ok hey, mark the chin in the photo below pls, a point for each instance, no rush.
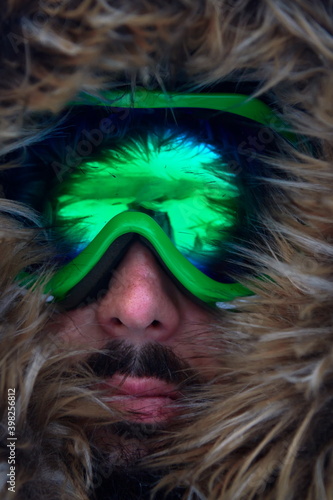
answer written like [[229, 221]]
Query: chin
[[125, 444], [132, 484], [120, 472]]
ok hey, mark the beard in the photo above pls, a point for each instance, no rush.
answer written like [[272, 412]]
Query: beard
[[119, 468], [121, 474], [133, 485]]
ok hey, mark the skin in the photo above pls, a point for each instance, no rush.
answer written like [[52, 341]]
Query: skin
[[143, 305]]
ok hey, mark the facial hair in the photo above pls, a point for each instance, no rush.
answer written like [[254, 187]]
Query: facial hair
[[151, 360], [133, 485], [128, 442]]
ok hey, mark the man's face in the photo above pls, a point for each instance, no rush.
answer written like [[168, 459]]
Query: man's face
[[156, 339]]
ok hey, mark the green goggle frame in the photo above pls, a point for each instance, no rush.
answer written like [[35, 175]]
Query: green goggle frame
[[196, 282], [193, 280]]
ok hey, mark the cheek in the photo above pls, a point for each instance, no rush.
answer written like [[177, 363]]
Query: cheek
[[77, 327], [199, 347]]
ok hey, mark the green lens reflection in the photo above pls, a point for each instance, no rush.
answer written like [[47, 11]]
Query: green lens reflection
[[173, 178]]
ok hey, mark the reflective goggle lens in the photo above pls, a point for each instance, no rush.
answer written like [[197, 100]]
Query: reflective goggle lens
[[182, 184]]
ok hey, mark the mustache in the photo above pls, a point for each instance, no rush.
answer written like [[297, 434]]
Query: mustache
[[150, 360]]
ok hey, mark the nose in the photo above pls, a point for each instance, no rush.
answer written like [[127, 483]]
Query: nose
[[142, 304]]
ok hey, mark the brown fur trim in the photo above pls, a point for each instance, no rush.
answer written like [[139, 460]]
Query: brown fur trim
[[266, 432]]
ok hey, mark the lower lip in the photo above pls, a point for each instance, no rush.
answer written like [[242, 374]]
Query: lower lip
[[147, 400], [146, 410]]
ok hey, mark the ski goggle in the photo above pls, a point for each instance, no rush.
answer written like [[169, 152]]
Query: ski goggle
[[178, 195]]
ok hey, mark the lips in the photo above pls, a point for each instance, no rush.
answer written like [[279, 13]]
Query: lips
[[148, 399]]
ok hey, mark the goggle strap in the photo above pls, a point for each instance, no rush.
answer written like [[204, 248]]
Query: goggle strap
[[237, 104]]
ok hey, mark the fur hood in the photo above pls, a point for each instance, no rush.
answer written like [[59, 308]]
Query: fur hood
[[264, 429]]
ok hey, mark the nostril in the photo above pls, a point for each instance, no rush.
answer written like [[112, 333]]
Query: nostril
[[115, 322]]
